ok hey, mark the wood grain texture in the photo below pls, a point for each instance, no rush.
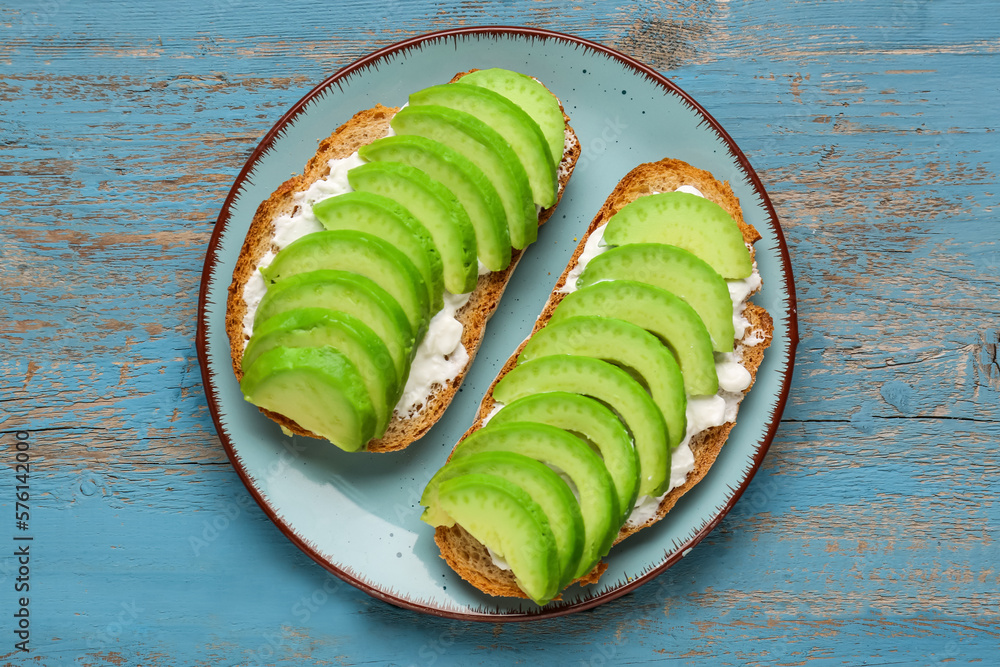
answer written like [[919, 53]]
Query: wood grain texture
[[869, 535]]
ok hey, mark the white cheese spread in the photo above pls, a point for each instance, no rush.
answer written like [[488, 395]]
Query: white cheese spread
[[440, 356], [691, 190], [498, 560], [592, 248], [497, 407]]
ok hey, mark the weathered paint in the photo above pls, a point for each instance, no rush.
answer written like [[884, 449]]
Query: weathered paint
[[868, 536]]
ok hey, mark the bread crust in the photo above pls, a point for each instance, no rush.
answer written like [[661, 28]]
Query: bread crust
[[363, 128], [465, 554]]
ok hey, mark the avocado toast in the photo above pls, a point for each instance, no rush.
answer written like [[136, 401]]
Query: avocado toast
[[619, 371], [386, 328]]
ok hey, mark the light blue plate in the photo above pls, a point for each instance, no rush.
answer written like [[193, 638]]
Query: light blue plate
[[357, 514]]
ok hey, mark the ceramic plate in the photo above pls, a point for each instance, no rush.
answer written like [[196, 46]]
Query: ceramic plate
[[357, 514]]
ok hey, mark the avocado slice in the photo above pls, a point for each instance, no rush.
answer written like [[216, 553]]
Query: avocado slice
[[349, 293], [610, 385], [503, 517], [484, 146], [688, 221], [658, 311], [467, 181], [319, 327], [587, 418], [435, 207], [386, 219], [531, 96], [624, 345], [512, 123], [676, 270], [544, 486], [361, 253], [316, 387], [572, 456]]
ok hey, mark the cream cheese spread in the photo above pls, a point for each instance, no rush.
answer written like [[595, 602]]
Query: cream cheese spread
[[497, 407], [440, 356], [691, 190], [498, 560], [592, 248]]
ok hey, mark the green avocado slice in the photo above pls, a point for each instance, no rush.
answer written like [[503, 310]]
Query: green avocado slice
[[317, 388], [435, 207], [572, 456], [349, 293], [318, 327], [531, 96], [361, 253], [588, 418], [512, 123], [386, 219], [624, 345], [676, 270], [481, 144], [467, 181], [658, 311], [504, 517], [610, 385], [544, 486], [691, 222]]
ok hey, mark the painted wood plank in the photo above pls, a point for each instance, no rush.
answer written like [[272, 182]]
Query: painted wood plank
[[868, 537]]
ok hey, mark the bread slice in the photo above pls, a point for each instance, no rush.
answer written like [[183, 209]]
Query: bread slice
[[470, 559], [363, 128]]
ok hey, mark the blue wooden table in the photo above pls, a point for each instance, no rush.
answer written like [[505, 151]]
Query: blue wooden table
[[869, 535]]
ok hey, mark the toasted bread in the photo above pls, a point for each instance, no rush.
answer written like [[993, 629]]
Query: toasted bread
[[470, 559], [363, 128]]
